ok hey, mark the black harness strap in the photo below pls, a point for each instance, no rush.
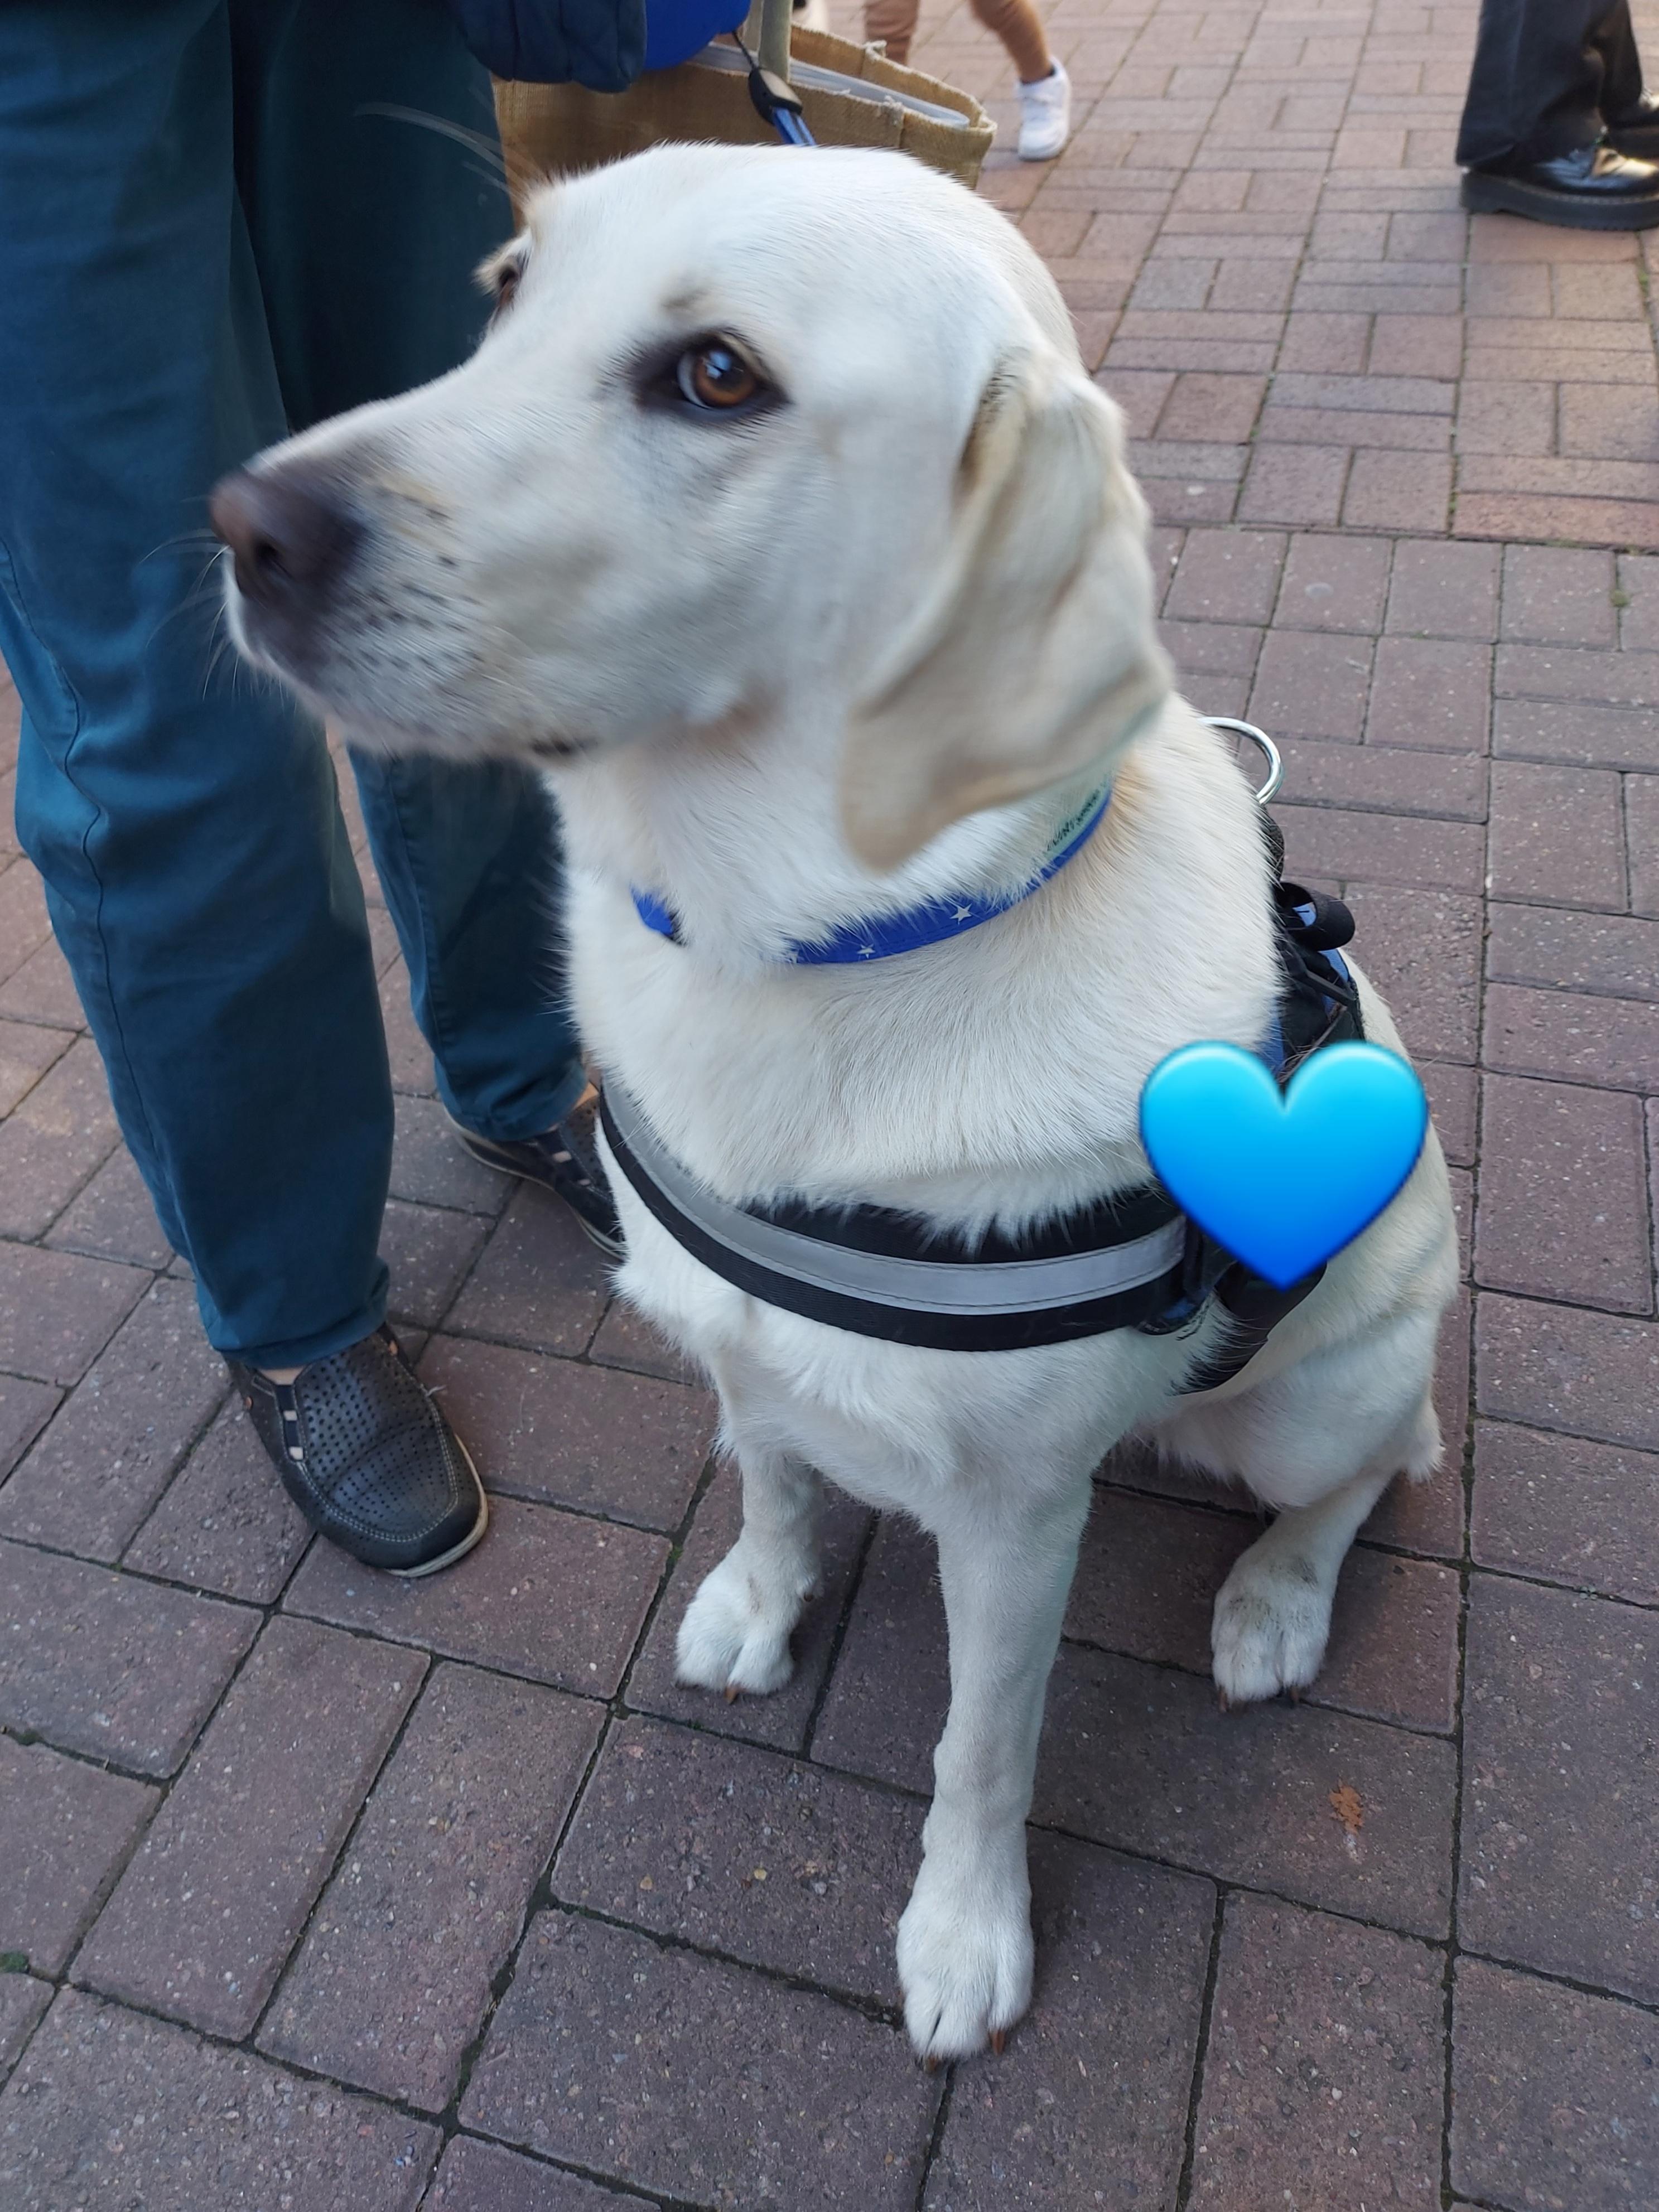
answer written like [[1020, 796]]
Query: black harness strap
[[887, 1274], [1318, 1005], [1131, 1261]]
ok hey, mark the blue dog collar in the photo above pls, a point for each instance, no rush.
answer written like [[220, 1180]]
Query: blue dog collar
[[882, 937]]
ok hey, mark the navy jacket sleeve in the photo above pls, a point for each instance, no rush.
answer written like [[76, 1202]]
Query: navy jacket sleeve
[[597, 43]]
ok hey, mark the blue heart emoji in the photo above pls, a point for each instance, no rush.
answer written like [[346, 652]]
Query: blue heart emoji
[[1283, 1181]]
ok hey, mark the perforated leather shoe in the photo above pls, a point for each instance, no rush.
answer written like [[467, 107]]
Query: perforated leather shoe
[[563, 1160], [366, 1456]]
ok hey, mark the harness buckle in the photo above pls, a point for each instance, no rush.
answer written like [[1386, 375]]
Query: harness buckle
[[1203, 1262]]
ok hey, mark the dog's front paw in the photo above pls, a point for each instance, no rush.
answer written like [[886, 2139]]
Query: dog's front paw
[[1272, 1617], [964, 1955], [735, 1635]]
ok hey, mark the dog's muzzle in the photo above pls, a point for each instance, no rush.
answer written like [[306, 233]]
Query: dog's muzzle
[[292, 539]]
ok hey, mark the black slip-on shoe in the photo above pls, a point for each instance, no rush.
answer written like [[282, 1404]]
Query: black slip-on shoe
[[1593, 188], [563, 1160], [366, 1456]]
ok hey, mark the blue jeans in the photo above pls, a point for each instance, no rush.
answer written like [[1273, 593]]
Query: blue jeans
[[207, 241]]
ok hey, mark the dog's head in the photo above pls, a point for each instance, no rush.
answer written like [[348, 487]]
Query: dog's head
[[749, 428]]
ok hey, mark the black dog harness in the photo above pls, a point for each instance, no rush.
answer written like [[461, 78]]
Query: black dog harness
[[1130, 1262]]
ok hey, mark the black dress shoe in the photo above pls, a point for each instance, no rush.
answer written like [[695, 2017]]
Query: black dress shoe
[[1593, 188], [1636, 131], [369, 1459], [563, 1160]]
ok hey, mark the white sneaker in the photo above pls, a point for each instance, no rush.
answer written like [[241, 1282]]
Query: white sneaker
[[1045, 116]]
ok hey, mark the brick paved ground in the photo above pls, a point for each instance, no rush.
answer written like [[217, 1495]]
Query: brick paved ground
[[319, 1889]]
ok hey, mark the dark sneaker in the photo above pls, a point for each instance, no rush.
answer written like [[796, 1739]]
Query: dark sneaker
[[564, 1161], [369, 1459]]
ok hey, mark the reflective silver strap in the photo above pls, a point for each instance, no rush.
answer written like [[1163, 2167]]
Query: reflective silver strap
[[935, 1286]]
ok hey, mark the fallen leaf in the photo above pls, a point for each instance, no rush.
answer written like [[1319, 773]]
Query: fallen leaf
[[1348, 1807]]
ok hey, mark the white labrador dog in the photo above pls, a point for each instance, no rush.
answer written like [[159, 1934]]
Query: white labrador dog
[[778, 519]]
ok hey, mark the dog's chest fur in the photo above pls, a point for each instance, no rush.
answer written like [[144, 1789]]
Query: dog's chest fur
[[994, 1077]]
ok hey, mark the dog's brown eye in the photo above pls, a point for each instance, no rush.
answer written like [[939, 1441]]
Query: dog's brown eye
[[715, 376]]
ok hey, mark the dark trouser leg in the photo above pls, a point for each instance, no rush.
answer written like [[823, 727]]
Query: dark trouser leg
[[366, 228], [186, 821], [1542, 71], [469, 858], [184, 816], [1621, 65]]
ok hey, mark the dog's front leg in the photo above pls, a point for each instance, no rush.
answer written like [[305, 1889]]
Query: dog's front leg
[[964, 1944], [735, 1635]]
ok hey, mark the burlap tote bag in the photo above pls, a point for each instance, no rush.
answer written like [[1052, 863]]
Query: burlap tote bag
[[851, 95]]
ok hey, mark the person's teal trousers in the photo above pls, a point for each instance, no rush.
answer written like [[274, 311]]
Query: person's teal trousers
[[208, 237]]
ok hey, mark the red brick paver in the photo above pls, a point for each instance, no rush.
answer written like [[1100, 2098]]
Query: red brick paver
[[210, 1906], [66, 1829], [108, 1665], [389, 1987], [317, 1889], [109, 2107], [224, 1525], [552, 1596], [1323, 2065], [22, 2000], [1141, 1758], [481, 2177], [1092, 2094], [1553, 2093], [740, 1852], [603, 1441], [1561, 1786], [89, 1483], [774, 2089]]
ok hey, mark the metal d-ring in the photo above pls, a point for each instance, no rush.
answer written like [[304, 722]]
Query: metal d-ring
[[1269, 752]]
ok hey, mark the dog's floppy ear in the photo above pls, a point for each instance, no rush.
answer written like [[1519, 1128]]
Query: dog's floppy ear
[[1034, 653]]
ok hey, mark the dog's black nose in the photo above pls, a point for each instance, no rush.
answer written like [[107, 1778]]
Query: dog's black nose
[[288, 535]]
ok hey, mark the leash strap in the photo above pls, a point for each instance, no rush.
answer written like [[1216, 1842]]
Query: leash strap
[[776, 102]]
